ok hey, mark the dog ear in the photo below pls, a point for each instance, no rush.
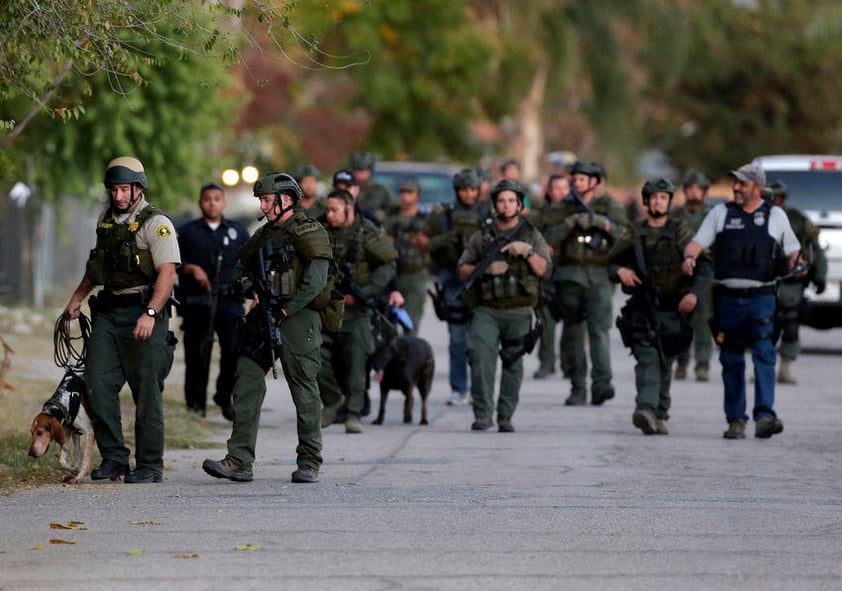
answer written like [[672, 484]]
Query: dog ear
[[56, 431]]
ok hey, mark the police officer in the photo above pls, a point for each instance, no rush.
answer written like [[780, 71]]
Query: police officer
[[752, 244], [695, 185], [581, 246], [292, 252], [445, 234], [135, 260], [373, 196], [502, 277], [550, 215], [209, 304], [791, 289], [367, 260], [403, 228], [655, 320], [307, 177]]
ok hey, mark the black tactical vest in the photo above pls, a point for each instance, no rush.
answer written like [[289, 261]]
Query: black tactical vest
[[744, 249], [116, 261]]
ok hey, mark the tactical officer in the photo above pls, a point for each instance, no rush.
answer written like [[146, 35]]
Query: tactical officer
[[512, 170], [791, 290], [367, 260], [655, 320], [373, 196], [753, 244], [307, 177], [501, 266], [135, 260], [550, 215], [285, 265], [485, 180], [209, 304], [445, 234], [695, 185], [403, 228], [581, 246]]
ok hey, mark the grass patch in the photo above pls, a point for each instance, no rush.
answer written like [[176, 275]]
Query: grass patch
[[183, 430]]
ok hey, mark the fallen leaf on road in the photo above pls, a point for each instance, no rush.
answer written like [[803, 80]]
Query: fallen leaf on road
[[188, 555], [247, 547], [135, 552], [69, 525], [150, 522], [37, 547], [60, 541]]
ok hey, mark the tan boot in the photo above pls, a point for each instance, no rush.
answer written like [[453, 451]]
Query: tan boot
[[784, 375], [681, 371]]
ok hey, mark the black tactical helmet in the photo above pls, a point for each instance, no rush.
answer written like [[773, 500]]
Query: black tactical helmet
[[277, 183], [362, 161], [466, 178], [588, 168], [125, 170], [483, 173], [695, 177], [507, 186], [659, 185], [775, 188]]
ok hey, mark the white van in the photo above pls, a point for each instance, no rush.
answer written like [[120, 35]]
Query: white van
[[814, 184]]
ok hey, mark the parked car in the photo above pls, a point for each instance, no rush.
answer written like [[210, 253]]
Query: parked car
[[814, 184], [436, 180]]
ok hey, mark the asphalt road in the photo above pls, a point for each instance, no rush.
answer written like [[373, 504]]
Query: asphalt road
[[577, 498]]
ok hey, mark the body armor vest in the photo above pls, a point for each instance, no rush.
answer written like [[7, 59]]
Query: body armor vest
[[664, 256], [517, 287], [744, 249], [116, 261], [410, 259]]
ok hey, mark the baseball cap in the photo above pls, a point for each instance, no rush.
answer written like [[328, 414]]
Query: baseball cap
[[345, 177], [750, 172], [411, 184]]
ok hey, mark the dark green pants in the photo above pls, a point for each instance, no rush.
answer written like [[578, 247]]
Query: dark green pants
[[349, 350], [300, 371], [593, 302], [413, 287], [652, 375], [114, 357], [488, 329]]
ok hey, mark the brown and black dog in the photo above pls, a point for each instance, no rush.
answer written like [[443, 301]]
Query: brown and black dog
[[404, 363], [64, 419]]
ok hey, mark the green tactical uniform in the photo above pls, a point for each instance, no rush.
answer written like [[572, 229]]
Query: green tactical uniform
[[377, 199], [317, 209], [501, 307], [702, 337], [412, 263], [124, 260], [791, 291], [580, 256], [299, 264], [654, 350], [544, 220], [368, 259]]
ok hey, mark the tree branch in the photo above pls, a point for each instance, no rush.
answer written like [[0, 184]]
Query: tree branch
[[42, 102]]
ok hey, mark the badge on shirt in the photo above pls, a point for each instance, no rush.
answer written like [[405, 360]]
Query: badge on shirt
[[759, 218], [163, 231], [232, 233]]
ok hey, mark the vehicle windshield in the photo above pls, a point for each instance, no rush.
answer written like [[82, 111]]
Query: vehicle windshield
[[435, 188], [817, 190]]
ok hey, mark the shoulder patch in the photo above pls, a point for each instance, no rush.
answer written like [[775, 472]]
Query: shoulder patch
[[163, 231], [304, 228]]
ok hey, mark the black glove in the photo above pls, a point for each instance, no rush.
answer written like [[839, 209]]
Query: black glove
[[820, 284]]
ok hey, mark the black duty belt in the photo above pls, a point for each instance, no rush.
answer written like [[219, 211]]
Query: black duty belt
[[108, 299], [744, 292]]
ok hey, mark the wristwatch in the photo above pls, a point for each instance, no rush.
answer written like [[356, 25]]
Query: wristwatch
[[150, 311]]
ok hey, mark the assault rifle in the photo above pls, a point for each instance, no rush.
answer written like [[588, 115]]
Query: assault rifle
[[263, 289], [640, 314], [492, 253], [216, 293]]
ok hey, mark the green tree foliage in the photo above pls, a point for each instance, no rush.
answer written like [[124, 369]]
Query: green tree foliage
[[746, 81], [424, 64]]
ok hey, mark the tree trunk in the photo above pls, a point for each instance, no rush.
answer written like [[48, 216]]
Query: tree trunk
[[528, 141]]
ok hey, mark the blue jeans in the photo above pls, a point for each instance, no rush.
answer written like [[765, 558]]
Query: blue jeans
[[458, 347], [747, 322]]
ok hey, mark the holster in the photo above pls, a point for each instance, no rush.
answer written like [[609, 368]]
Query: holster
[[513, 349]]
